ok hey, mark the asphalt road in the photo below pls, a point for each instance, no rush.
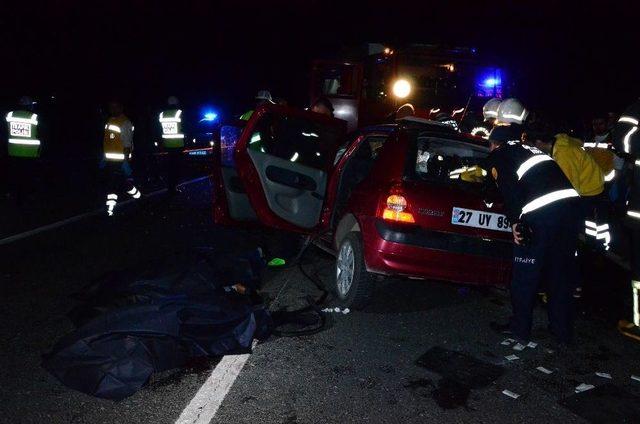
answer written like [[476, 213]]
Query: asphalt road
[[367, 366]]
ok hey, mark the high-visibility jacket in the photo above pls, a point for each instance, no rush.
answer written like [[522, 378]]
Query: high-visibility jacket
[[172, 133], [601, 150], [580, 167], [626, 139], [117, 136], [247, 115], [528, 179], [23, 134]]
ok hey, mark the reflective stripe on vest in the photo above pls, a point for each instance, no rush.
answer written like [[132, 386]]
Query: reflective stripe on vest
[[549, 198], [171, 123], [530, 163], [112, 142], [23, 134], [633, 214]]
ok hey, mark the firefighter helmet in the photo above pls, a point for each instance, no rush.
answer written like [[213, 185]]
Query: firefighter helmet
[[490, 109], [512, 111]]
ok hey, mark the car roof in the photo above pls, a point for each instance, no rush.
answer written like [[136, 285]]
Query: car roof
[[431, 128]]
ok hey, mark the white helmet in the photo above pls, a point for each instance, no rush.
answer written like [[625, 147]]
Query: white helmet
[[512, 111], [264, 95], [173, 101], [490, 109]]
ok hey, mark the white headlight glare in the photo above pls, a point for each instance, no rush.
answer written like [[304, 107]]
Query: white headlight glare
[[401, 88]]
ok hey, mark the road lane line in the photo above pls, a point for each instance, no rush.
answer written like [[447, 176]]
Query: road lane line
[[205, 404], [62, 223]]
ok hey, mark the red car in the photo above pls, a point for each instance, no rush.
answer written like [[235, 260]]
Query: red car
[[386, 200]]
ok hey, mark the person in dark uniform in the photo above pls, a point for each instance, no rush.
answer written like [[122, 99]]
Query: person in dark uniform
[[626, 141], [542, 206]]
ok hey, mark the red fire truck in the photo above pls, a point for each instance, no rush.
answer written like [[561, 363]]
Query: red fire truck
[[370, 88]]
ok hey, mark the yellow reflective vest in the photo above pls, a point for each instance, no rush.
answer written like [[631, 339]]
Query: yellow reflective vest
[[579, 166], [112, 143]]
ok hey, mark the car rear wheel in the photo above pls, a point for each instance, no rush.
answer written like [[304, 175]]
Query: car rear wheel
[[353, 284]]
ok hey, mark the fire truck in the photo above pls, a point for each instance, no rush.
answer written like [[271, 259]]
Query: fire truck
[[371, 87]]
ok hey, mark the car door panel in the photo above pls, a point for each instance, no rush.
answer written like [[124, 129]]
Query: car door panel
[[238, 204], [289, 188], [283, 159]]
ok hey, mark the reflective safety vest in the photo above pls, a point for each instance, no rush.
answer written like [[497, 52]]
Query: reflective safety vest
[[247, 115], [528, 179], [23, 134], [112, 142], [171, 123]]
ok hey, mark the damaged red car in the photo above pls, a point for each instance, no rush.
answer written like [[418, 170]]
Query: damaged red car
[[387, 200]]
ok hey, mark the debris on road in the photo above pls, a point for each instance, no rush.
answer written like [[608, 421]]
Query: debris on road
[[336, 310], [276, 262], [635, 377], [518, 347], [604, 375], [131, 328], [511, 358], [510, 394], [544, 370], [583, 387], [507, 342], [532, 345]]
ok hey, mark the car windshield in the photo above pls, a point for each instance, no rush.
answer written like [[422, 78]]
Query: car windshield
[[448, 160]]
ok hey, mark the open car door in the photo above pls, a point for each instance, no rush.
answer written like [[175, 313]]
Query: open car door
[[283, 160]]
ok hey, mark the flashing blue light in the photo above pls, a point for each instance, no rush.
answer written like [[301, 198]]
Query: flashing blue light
[[210, 116], [492, 82]]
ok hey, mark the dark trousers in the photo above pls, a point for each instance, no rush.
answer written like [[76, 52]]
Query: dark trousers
[[174, 168], [547, 261], [635, 252], [116, 177], [21, 175]]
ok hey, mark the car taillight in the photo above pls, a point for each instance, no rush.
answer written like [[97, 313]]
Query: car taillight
[[395, 210]]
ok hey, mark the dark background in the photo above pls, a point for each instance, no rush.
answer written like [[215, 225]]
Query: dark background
[[564, 58]]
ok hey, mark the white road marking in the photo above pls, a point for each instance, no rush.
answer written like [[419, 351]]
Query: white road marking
[[205, 404], [67, 221]]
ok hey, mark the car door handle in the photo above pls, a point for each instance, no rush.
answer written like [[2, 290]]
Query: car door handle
[[290, 178]]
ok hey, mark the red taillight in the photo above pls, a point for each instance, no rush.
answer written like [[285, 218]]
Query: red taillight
[[395, 210]]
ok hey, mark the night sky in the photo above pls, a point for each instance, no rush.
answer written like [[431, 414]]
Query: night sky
[[562, 58]]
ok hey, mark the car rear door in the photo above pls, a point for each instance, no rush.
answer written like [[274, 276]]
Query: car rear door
[[283, 159]]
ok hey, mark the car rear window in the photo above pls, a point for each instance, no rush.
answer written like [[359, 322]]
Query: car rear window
[[437, 158]]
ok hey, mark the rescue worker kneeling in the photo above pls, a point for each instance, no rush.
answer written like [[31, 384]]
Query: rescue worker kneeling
[[542, 206], [116, 163]]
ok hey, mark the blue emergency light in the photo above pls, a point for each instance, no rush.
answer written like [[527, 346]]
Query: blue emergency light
[[492, 82], [209, 116]]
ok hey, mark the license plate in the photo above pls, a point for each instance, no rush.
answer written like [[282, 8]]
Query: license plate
[[170, 127], [20, 129], [480, 219]]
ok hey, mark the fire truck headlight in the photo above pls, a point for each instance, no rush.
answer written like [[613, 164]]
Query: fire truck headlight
[[401, 88]]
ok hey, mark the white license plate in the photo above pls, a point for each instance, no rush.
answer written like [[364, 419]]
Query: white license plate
[[480, 219], [170, 127], [20, 129]]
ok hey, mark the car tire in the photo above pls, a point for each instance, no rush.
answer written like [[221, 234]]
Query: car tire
[[353, 285]]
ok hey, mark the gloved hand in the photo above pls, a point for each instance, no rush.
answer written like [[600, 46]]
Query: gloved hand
[[474, 174]]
